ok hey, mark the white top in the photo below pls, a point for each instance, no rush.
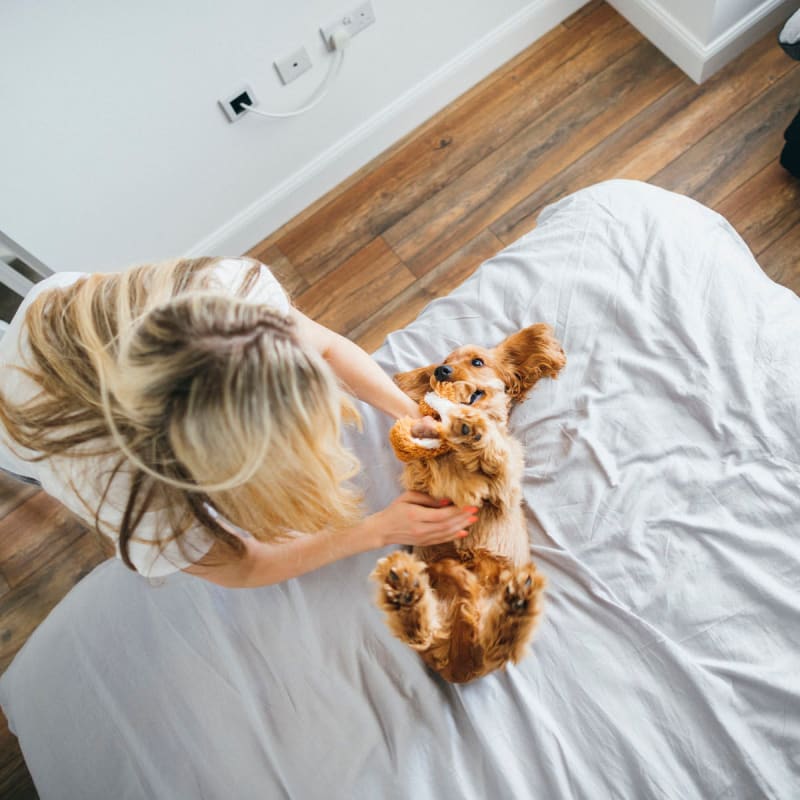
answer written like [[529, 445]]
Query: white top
[[79, 483]]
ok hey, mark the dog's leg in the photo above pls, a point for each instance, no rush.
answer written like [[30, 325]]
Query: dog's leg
[[407, 598], [512, 614]]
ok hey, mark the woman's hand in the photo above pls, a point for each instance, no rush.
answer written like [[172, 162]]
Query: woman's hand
[[418, 519]]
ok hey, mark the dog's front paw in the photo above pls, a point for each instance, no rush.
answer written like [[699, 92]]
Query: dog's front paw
[[467, 429], [403, 579], [522, 589]]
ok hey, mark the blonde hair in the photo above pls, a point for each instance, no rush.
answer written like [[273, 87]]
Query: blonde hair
[[207, 398]]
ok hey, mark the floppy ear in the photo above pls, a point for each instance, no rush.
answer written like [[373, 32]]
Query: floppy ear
[[417, 382], [528, 355]]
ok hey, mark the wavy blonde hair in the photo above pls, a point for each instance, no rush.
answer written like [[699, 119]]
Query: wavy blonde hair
[[208, 399]]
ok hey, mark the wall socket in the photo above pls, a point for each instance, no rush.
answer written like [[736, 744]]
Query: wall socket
[[293, 66], [353, 21], [235, 105]]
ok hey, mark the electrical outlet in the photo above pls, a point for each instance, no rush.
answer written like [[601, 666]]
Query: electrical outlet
[[235, 106], [293, 66], [353, 21]]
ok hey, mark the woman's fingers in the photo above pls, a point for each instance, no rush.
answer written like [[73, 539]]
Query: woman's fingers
[[442, 532], [416, 518], [427, 509], [422, 499], [434, 526], [441, 521], [442, 517]]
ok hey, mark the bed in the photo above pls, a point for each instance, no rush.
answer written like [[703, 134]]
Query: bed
[[662, 490]]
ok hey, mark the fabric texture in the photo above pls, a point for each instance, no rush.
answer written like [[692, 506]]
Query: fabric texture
[[80, 483], [661, 492]]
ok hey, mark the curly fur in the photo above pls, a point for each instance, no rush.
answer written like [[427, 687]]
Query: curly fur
[[470, 606]]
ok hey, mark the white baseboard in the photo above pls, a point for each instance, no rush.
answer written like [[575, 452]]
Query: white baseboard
[[384, 128], [697, 60]]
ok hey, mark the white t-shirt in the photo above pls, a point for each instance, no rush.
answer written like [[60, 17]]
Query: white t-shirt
[[79, 483]]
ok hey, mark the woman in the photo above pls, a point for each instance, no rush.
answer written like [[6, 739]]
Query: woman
[[187, 411]]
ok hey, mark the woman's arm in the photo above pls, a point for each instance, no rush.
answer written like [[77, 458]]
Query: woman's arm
[[413, 518], [361, 376]]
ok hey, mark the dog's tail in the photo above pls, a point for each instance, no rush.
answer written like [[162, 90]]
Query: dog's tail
[[465, 659]]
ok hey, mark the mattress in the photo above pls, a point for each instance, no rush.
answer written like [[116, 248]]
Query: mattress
[[661, 495]]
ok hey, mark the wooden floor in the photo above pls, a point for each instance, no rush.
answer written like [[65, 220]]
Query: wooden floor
[[591, 100]]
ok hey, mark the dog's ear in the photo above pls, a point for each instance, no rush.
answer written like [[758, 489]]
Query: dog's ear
[[528, 355], [417, 382]]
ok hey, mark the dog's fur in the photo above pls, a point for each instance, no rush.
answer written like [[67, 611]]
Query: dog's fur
[[469, 606]]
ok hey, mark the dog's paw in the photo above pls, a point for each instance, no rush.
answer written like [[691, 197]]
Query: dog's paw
[[467, 429], [522, 589], [403, 579]]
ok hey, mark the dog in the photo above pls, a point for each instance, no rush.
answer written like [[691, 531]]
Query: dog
[[470, 606]]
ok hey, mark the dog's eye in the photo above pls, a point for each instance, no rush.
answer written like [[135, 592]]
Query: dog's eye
[[465, 429], [476, 395], [477, 362]]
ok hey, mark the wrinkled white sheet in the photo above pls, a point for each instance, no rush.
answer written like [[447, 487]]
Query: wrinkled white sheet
[[662, 474]]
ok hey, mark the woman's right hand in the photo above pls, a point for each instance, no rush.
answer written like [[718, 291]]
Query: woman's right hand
[[418, 519]]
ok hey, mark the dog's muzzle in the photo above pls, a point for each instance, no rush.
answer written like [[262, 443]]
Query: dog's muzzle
[[443, 373]]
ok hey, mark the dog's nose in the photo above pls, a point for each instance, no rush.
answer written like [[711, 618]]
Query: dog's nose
[[443, 373]]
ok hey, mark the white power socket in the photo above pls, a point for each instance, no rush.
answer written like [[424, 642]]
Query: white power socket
[[353, 21], [293, 66]]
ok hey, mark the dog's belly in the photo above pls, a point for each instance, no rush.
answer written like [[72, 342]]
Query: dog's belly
[[441, 479]]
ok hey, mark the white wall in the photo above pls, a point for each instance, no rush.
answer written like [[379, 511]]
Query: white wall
[[112, 147], [701, 36], [693, 15]]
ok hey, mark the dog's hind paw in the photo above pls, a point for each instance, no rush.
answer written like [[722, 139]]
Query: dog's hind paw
[[522, 589], [403, 579]]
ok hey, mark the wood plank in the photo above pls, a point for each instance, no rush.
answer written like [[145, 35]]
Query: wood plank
[[500, 181], [781, 262], [584, 11], [359, 287], [24, 608], [733, 152], [763, 208], [33, 533], [658, 135], [444, 150], [13, 493], [441, 280], [280, 266]]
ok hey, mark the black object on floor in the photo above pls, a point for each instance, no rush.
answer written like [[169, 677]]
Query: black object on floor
[[790, 155]]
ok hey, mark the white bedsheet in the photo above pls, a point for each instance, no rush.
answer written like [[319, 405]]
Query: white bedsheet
[[662, 487]]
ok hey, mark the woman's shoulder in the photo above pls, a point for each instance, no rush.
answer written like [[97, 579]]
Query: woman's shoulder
[[251, 279], [14, 349], [57, 280]]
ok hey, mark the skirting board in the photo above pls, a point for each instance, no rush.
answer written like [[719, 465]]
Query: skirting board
[[384, 128], [697, 60]]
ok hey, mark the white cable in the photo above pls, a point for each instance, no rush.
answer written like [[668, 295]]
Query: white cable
[[340, 38]]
